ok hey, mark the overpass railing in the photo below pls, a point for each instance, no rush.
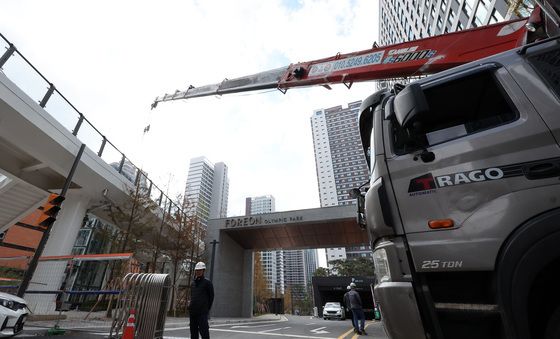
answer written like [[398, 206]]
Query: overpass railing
[[29, 79]]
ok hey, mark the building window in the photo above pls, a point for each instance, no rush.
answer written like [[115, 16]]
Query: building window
[[496, 17], [468, 7], [480, 16], [450, 18]]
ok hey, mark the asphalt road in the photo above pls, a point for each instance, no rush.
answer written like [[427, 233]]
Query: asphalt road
[[290, 327]]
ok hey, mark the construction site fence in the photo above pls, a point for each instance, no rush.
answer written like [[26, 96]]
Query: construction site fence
[[146, 297]]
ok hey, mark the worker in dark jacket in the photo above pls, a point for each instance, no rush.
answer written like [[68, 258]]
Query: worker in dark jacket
[[357, 310], [348, 309], [200, 303]]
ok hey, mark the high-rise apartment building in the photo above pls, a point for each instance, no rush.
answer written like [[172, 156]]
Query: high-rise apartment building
[[311, 264], [340, 163], [294, 268], [259, 205], [207, 189], [404, 20]]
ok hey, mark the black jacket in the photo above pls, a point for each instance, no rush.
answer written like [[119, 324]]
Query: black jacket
[[354, 300], [202, 296]]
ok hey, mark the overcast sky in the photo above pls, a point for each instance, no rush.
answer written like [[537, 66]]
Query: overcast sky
[[112, 58]]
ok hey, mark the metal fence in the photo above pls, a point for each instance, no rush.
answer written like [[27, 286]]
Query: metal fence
[[148, 295]]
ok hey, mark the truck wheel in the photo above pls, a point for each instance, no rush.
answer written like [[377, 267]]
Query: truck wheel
[[553, 326]]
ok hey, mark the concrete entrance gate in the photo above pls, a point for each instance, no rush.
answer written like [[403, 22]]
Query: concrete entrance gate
[[238, 237]]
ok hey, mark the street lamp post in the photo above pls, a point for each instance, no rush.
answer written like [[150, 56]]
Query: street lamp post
[[213, 243], [276, 298], [292, 299]]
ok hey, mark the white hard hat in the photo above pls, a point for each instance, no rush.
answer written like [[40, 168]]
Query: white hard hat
[[200, 266], [348, 287], [352, 285]]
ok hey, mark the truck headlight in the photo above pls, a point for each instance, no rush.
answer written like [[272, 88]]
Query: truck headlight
[[381, 265]]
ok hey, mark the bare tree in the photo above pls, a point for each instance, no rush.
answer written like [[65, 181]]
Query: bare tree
[[135, 218], [184, 244], [261, 289]]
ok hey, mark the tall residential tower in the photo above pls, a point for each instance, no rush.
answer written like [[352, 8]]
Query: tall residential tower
[[207, 189], [340, 163]]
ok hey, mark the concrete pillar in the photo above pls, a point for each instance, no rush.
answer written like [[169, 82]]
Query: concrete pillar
[[233, 277], [49, 275], [247, 292]]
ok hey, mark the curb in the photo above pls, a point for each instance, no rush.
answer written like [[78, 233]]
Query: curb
[[245, 320], [46, 317]]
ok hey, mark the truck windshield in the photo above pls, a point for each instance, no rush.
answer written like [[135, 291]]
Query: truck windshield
[[456, 108]]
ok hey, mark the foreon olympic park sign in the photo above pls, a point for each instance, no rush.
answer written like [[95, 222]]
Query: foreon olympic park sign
[[312, 228], [259, 220]]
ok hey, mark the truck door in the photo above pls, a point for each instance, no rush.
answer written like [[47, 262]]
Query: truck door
[[475, 146]]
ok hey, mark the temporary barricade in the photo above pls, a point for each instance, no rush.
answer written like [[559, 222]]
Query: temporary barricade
[[148, 295]]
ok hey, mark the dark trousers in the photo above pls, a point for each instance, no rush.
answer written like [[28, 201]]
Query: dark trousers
[[351, 316], [359, 316], [199, 323]]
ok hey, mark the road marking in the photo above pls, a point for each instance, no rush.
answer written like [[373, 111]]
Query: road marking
[[356, 335], [320, 330], [274, 329], [271, 334], [249, 326], [310, 324], [342, 336], [251, 322], [169, 329]]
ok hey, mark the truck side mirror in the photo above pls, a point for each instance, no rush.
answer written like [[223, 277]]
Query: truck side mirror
[[409, 103], [360, 201]]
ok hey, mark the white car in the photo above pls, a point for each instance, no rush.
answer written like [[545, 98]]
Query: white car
[[13, 312], [333, 310]]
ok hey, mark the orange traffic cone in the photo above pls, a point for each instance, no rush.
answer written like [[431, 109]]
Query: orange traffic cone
[[129, 330]]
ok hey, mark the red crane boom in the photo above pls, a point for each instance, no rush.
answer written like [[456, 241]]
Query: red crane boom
[[412, 58]]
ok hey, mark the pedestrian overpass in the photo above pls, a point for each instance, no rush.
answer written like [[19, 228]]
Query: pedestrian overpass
[[40, 135], [238, 237]]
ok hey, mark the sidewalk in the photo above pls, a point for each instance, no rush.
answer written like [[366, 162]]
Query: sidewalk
[[77, 327]]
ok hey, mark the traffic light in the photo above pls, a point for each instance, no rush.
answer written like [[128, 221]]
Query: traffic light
[[50, 210]]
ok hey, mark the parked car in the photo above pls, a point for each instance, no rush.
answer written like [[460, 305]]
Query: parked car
[[13, 313], [333, 310]]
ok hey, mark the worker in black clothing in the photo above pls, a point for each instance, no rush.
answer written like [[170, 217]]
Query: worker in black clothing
[[348, 309], [200, 303], [357, 310]]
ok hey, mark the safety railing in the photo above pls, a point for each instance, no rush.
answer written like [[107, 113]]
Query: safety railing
[[145, 295], [28, 78]]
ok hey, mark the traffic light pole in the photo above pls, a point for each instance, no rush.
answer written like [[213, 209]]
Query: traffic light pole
[[35, 260]]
